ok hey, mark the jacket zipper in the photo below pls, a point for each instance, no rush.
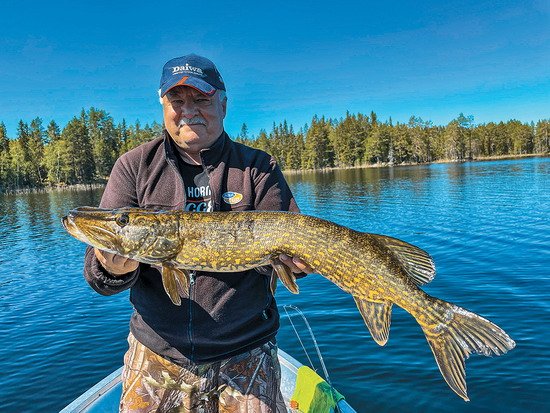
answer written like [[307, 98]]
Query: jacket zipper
[[192, 275]]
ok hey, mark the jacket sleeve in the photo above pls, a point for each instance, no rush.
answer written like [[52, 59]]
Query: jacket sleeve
[[272, 191], [101, 280], [119, 192]]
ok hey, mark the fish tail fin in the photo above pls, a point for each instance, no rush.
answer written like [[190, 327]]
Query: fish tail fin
[[454, 333]]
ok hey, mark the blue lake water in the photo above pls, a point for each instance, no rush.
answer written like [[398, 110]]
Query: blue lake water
[[487, 225]]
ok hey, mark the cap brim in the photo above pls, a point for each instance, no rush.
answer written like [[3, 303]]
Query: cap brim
[[195, 83]]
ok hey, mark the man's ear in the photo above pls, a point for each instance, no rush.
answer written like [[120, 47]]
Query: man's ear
[[224, 106]]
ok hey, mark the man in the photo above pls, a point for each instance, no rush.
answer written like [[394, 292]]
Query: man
[[215, 352]]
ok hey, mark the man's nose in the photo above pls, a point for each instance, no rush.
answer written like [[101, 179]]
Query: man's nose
[[188, 110]]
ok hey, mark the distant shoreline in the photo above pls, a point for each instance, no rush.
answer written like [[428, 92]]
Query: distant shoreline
[[56, 188], [97, 185], [439, 161]]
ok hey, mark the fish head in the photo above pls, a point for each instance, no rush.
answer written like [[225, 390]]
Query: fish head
[[142, 234]]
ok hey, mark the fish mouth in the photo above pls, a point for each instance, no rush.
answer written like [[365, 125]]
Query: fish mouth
[[92, 226]]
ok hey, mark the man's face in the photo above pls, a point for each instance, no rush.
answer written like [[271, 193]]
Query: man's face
[[192, 119]]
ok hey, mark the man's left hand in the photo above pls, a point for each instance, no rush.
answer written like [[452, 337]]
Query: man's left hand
[[295, 264]]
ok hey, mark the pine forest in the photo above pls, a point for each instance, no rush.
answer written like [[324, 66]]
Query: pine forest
[[84, 151]]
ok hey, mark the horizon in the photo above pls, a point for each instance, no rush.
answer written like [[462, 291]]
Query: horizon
[[432, 62]]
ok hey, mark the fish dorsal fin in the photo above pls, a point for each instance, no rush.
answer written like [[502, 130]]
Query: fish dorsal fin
[[377, 317], [417, 263], [175, 282], [285, 275]]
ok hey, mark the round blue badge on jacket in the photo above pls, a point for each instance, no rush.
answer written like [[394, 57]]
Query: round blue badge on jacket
[[232, 198]]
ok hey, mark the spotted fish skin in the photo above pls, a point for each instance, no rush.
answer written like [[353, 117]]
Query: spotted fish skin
[[378, 271]]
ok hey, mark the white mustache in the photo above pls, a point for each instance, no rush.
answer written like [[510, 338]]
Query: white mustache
[[197, 120]]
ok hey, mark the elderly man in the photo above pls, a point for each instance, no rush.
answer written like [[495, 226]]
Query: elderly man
[[216, 351]]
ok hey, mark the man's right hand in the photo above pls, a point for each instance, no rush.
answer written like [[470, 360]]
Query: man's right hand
[[115, 264]]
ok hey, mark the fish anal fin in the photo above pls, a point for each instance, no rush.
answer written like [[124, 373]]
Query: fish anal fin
[[377, 317], [285, 275], [417, 263], [175, 281]]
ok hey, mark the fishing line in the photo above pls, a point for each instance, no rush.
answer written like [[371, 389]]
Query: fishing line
[[317, 349], [296, 331]]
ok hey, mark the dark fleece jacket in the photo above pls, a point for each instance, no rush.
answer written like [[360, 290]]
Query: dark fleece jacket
[[225, 313]]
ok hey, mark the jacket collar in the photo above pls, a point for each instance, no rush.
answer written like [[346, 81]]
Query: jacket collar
[[210, 157]]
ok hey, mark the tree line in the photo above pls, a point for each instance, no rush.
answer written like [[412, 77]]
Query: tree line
[[358, 139], [85, 150], [82, 153]]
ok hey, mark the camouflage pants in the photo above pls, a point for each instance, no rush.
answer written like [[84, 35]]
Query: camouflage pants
[[246, 383]]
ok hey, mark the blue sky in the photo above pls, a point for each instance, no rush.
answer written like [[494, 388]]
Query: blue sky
[[280, 60]]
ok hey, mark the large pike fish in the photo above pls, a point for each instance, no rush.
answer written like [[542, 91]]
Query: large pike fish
[[378, 271]]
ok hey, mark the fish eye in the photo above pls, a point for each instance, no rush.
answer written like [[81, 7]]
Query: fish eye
[[122, 220]]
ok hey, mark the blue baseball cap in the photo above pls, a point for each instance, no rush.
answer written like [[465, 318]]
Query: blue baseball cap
[[191, 70]]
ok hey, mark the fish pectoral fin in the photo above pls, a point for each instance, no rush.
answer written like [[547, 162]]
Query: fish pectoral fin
[[417, 263], [172, 280], [377, 317], [286, 276]]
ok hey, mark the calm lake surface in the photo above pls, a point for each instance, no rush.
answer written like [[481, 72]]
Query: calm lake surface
[[487, 225]]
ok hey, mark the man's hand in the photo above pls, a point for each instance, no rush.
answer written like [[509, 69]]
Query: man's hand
[[295, 264], [114, 263]]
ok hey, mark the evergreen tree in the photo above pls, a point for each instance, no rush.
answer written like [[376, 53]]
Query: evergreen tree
[[401, 145], [502, 140], [80, 167], [377, 144], [347, 140], [52, 132], [22, 165], [542, 137], [521, 137], [55, 154], [455, 141], [58, 162], [5, 160], [318, 152], [244, 133], [465, 126], [103, 138], [293, 158], [262, 142], [36, 152]]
